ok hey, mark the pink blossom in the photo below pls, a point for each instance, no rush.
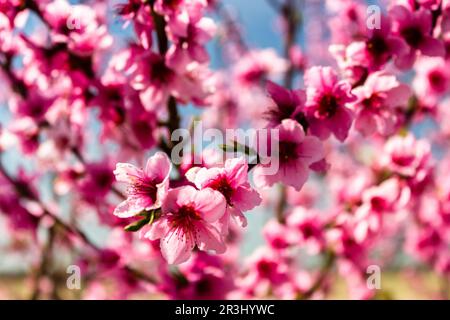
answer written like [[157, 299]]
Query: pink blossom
[[277, 235], [147, 188], [232, 182], [349, 23], [327, 103], [35, 107], [188, 218], [205, 277], [257, 66], [97, 182], [387, 198], [296, 152], [138, 12], [308, 229], [432, 79], [415, 28], [189, 32], [266, 270], [156, 81], [78, 25], [406, 156], [376, 103], [287, 104], [378, 47]]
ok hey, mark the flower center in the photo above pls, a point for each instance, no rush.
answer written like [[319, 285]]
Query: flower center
[[172, 4], [308, 230], [413, 36], [145, 187], [160, 72], [374, 102], [185, 217], [288, 150], [266, 268], [378, 204], [328, 106], [403, 160], [377, 46], [223, 186], [437, 80]]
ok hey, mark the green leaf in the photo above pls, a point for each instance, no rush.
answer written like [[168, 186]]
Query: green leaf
[[238, 147], [148, 218]]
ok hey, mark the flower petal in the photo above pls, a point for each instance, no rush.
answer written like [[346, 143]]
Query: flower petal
[[210, 203], [209, 238], [176, 246]]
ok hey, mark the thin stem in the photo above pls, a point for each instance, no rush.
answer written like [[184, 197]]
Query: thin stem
[[291, 17], [174, 120]]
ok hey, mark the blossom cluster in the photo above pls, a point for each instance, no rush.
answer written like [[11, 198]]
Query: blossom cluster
[[358, 135]]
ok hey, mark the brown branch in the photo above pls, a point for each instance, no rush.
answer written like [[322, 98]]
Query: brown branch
[[289, 12], [174, 120], [44, 265]]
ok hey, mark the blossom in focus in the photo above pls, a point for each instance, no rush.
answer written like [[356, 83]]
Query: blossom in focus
[[188, 220], [147, 187], [232, 182]]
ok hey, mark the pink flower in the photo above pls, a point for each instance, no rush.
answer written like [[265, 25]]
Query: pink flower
[[426, 242], [296, 152], [232, 182], [188, 217], [78, 25], [415, 29], [189, 32], [308, 229], [207, 278], [277, 235], [349, 23], [376, 103], [97, 182], [287, 104], [35, 106], [327, 103], [387, 198], [156, 81], [406, 156], [432, 79], [257, 66], [378, 47], [20, 217], [147, 188], [267, 270], [139, 13]]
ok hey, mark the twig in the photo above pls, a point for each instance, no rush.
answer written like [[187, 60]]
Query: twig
[[174, 120], [291, 17], [45, 263]]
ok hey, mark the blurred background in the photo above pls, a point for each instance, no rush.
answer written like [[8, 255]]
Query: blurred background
[[261, 29]]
